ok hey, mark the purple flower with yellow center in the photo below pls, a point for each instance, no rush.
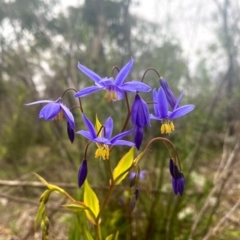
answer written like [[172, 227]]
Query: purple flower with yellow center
[[162, 114], [178, 180], [140, 118], [115, 89], [105, 140], [55, 110]]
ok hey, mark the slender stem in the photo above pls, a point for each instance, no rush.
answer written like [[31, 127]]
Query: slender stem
[[105, 200], [97, 231], [110, 170], [153, 69], [114, 69], [128, 115]]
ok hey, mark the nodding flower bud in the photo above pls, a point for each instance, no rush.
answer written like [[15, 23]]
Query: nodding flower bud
[[178, 180], [70, 131], [168, 92], [82, 173], [140, 118]]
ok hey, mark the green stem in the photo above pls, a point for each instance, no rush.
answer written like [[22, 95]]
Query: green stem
[[97, 231], [128, 115]]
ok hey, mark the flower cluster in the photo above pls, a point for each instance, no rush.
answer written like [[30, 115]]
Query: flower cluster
[[139, 113]]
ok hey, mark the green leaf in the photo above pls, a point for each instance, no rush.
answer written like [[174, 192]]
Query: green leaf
[[116, 236], [39, 216], [110, 237], [74, 207], [123, 165], [48, 185], [91, 201], [87, 234]]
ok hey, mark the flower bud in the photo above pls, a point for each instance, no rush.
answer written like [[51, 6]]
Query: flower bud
[[82, 173], [71, 133]]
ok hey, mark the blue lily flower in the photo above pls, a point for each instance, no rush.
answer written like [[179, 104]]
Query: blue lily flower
[[55, 110], [114, 88], [105, 141], [161, 110], [178, 180], [140, 119]]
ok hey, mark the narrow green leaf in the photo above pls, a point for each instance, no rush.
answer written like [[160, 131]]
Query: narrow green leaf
[[123, 165], [48, 185], [116, 236], [91, 201], [110, 237], [74, 207], [39, 216], [87, 234]]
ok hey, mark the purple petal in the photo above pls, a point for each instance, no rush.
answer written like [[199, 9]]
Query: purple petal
[[37, 102], [169, 94], [89, 126], [71, 133], [102, 140], [120, 94], [181, 111], [123, 143], [68, 115], [86, 134], [155, 102], [50, 111], [138, 137], [134, 86], [108, 127], [124, 72], [175, 186], [121, 135], [86, 91], [162, 104], [107, 82], [95, 77], [178, 100], [155, 118], [181, 184], [171, 167], [140, 112]]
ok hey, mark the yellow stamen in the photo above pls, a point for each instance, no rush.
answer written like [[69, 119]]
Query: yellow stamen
[[111, 95], [167, 127], [59, 116], [102, 152]]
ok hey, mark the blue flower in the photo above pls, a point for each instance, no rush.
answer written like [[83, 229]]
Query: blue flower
[[178, 180], [105, 141], [114, 88], [55, 110], [140, 119], [161, 110]]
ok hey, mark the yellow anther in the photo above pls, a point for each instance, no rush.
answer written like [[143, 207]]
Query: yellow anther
[[102, 152], [111, 95], [167, 127], [59, 116]]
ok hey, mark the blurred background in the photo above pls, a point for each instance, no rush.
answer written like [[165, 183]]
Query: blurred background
[[193, 44]]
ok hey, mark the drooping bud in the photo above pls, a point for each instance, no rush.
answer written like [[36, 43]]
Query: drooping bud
[[168, 92], [140, 112], [82, 173], [71, 133], [140, 118], [178, 180]]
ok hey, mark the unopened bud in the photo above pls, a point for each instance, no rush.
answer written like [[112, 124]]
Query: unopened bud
[[82, 173]]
